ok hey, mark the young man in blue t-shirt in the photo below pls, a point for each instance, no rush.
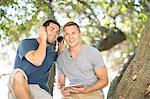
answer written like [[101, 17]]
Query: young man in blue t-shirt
[[33, 61]]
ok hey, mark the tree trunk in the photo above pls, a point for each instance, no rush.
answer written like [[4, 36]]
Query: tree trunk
[[52, 70], [135, 82]]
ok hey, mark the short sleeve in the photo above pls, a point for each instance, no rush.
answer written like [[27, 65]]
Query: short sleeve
[[97, 59], [26, 46]]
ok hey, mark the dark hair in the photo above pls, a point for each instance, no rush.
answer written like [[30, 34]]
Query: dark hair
[[71, 23], [50, 21]]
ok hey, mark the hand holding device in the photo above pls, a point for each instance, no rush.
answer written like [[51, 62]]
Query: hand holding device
[[74, 86], [60, 43], [60, 39]]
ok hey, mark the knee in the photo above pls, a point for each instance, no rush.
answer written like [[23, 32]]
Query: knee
[[19, 78]]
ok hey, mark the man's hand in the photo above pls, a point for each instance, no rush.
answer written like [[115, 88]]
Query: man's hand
[[65, 92], [82, 90], [60, 46], [42, 34]]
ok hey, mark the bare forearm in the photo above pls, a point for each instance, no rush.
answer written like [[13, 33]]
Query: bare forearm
[[102, 82], [97, 86], [61, 80], [40, 53], [103, 79], [36, 57]]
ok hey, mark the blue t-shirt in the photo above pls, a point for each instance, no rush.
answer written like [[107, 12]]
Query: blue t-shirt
[[36, 75]]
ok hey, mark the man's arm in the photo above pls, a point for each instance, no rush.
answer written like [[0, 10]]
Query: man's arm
[[102, 82], [61, 83], [61, 80], [60, 47], [37, 57]]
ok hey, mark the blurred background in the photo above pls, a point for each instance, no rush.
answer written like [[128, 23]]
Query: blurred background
[[112, 26]]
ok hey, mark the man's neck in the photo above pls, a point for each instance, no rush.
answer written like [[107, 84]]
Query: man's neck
[[75, 50]]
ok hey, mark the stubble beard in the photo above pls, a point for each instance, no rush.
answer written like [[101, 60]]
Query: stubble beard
[[48, 42], [74, 45]]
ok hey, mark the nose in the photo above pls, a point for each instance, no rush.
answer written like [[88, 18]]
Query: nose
[[70, 36]]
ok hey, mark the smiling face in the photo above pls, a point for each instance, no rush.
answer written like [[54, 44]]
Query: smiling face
[[72, 35], [52, 32]]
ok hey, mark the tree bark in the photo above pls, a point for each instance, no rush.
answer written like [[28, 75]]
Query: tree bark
[[115, 37], [52, 70], [135, 82]]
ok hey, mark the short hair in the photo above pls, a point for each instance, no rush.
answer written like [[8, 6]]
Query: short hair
[[70, 24], [50, 21]]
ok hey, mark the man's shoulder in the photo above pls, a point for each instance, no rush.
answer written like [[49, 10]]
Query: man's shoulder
[[28, 41], [28, 44], [90, 48], [63, 53]]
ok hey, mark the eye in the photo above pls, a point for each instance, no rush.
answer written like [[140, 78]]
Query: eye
[[51, 29], [73, 33], [66, 34], [58, 32]]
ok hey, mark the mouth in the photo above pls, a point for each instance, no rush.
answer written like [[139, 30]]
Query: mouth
[[70, 41]]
